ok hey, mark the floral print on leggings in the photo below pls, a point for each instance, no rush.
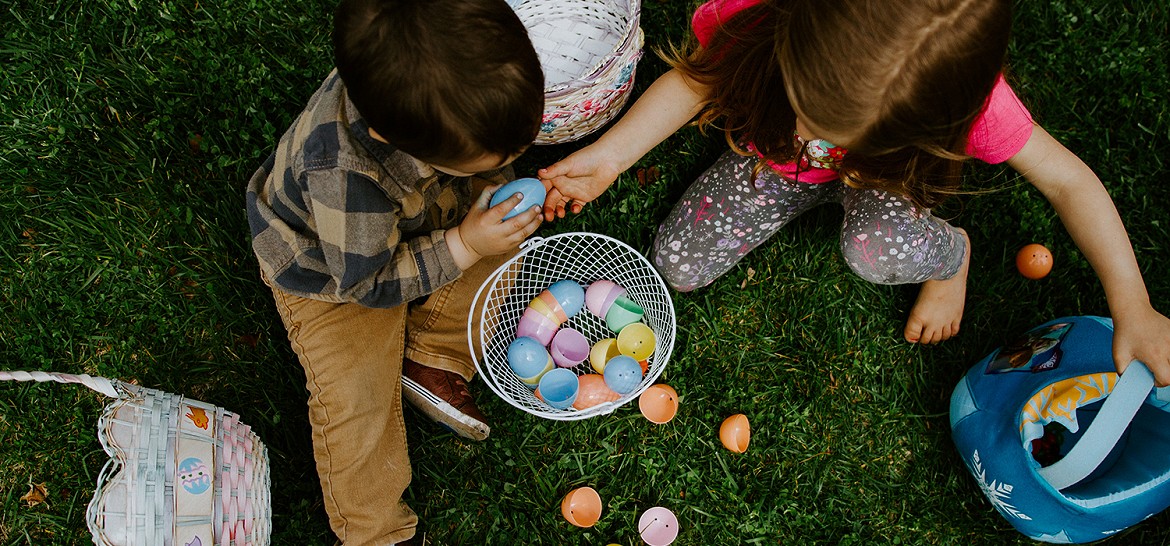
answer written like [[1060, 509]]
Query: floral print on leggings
[[721, 217]]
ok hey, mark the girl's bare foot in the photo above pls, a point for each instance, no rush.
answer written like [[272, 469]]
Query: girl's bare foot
[[939, 308]]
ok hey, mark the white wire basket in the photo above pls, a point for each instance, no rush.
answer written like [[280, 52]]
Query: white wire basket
[[584, 258], [181, 472], [589, 50]]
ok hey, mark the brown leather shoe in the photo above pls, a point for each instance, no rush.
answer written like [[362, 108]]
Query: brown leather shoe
[[443, 397]]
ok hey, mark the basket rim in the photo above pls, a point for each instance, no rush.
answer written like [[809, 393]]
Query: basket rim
[[587, 76], [527, 247]]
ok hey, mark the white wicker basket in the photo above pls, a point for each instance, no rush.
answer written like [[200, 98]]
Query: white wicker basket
[[181, 472], [584, 258], [589, 50]]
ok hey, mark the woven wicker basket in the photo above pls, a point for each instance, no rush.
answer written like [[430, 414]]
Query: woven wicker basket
[[589, 50], [181, 472]]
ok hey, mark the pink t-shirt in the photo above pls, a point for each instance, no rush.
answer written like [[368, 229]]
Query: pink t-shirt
[[999, 132]]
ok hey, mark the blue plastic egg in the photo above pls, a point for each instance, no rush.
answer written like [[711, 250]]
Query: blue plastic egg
[[570, 295], [529, 360], [623, 374], [559, 388], [532, 190]]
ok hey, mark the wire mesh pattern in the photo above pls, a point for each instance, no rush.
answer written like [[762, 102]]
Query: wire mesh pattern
[[589, 50], [181, 472], [584, 258]]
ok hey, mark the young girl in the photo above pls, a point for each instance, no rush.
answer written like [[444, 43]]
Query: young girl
[[874, 105]]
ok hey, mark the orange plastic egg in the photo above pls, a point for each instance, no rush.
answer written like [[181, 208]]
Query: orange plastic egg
[[659, 403], [735, 433], [592, 391], [582, 507], [1034, 261]]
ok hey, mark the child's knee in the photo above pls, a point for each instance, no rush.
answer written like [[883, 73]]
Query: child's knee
[[880, 265]]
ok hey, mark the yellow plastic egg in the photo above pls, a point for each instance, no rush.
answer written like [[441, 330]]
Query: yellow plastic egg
[[636, 340], [735, 433], [601, 352]]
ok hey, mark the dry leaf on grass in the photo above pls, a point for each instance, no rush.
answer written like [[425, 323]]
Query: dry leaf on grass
[[37, 494]]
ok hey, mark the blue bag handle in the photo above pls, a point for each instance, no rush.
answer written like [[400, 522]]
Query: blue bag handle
[[1118, 409]]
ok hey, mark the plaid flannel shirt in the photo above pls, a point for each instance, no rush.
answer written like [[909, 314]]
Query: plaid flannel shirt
[[338, 216]]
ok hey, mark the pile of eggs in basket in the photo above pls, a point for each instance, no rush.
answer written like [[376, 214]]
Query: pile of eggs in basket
[[545, 352]]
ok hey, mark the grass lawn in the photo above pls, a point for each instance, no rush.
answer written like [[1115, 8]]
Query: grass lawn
[[128, 129]]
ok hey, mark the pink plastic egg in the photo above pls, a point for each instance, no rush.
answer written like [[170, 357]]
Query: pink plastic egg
[[658, 403], [592, 391], [658, 526], [569, 348], [582, 507], [536, 326], [600, 296]]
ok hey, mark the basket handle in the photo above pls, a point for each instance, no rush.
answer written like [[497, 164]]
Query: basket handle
[[99, 384], [1118, 409]]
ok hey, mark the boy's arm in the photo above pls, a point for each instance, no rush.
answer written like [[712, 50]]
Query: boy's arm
[[668, 104], [1089, 215]]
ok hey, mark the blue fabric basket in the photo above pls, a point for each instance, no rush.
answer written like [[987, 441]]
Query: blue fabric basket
[[1063, 447]]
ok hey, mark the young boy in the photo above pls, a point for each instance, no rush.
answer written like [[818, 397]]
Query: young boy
[[367, 229]]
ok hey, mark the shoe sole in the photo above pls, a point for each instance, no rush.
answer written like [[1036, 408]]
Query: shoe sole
[[439, 411]]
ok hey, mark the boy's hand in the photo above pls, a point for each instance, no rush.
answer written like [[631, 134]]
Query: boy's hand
[[484, 232], [576, 180]]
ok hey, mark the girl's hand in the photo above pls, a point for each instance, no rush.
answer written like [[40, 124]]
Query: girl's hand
[[1143, 334], [576, 180], [484, 232]]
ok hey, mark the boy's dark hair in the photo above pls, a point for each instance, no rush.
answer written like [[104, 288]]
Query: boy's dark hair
[[442, 80]]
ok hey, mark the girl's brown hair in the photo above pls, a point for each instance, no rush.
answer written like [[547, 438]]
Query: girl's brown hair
[[898, 83]]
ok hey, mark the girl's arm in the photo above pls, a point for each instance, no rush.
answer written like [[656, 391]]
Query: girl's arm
[[1088, 213], [668, 104]]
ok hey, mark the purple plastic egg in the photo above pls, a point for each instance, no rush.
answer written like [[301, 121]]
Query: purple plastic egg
[[569, 348], [536, 326]]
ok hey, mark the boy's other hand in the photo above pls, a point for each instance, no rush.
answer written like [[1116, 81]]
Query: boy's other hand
[[576, 180], [484, 232]]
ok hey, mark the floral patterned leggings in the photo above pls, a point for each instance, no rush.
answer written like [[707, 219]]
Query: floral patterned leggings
[[884, 238]]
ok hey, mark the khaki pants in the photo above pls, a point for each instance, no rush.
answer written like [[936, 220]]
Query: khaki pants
[[352, 356]]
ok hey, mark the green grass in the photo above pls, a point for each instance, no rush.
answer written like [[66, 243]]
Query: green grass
[[128, 128]]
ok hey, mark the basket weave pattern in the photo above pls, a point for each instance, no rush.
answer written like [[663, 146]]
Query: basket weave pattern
[[181, 472], [589, 50], [584, 258]]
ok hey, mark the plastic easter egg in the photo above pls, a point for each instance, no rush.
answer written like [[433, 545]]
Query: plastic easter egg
[[622, 374], [602, 352], [559, 388], [636, 340], [569, 348], [735, 433], [600, 295], [592, 391], [622, 313], [528, 360], [1034, 261], [556, 314], [532, 190], [658, 526], [582, 507], [658, 403], [570, 295], [536, 326]]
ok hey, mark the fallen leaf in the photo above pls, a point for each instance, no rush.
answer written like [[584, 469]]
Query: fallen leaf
[[37, 494], [648, 175], [195, 142]]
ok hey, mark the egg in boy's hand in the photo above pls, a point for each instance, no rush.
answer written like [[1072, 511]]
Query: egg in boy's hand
[[532, 190]]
